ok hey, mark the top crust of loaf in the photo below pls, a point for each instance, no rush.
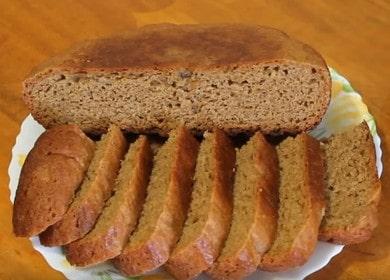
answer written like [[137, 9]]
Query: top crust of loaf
[[167, 46]]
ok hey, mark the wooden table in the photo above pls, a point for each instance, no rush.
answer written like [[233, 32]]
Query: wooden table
[[353, 36]]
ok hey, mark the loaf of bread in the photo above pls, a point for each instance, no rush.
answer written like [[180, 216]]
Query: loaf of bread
[[121, 213], [94, 191], [165, 208], [353, 187], [52, 172], [255, 211], [301, 203], [208, 220], [234, 77]]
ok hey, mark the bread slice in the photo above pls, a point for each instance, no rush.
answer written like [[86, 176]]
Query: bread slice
[[94, 191], [53, 170], [165, 207], [121, 212], [301, 203], [353, 187], [208, 221], [235, 77], [255, 211]]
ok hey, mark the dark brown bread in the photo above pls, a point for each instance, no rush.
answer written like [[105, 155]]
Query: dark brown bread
[[94, 191], [255, 211], [238, 78], [301, 203], [121, 213], [165, 208], [353, 187], [53, 170], [208, 221]]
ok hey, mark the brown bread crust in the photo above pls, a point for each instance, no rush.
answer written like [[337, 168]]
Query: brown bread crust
[[170, 48], [53, 170], [107, 242], [262, 232], [198, 255], [306, 239], [363, 229], [95, 190], [155, 251]]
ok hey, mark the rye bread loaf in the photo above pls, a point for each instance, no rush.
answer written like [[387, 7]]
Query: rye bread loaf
[[353, 187], [165, 208], [301, 203], [238, 78], [208, 220], [53, 170], [94, 191], [120, 215], [254, 212]]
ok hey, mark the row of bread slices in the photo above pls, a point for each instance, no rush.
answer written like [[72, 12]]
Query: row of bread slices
[[191, 207]]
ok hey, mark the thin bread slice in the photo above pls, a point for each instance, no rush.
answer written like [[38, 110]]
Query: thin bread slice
[[94, 191], [53, 170], [353, 187], [165, 207], [301, 203], [208, 221], [255, 211], [121, 212]]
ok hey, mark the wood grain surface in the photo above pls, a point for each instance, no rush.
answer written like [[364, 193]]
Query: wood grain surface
[[353, 36]]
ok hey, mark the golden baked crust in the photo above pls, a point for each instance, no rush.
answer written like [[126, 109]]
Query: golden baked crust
[[153, 249], [94, 191], [306, 236], [53, 170], [196, 255], [244, 260], [121, 213], [167, 46]]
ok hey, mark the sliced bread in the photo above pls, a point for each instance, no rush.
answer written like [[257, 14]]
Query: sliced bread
[[353, 187], [53, 170], [94, 191], [239, 78], [120, 215], [255, 211], [165, 208], [208, 221], [301, 203]]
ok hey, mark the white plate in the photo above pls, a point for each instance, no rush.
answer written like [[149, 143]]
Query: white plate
[[346, 109]]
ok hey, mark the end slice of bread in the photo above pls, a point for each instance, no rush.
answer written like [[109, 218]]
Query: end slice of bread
[[120, 215], [165, 208], [208, 221], [301, 203], [51, 174], [255, 211], [94, 191], [353, 187]]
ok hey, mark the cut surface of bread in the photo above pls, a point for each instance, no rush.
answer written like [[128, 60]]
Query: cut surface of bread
[[94, 191], [255, 211], [121, 212], [353, 187], [53, 170], [208, 220], [301, 203], [165, 208], [238, 78]]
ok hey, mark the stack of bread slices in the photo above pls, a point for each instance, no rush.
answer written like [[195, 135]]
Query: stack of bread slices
[[197, 206]]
